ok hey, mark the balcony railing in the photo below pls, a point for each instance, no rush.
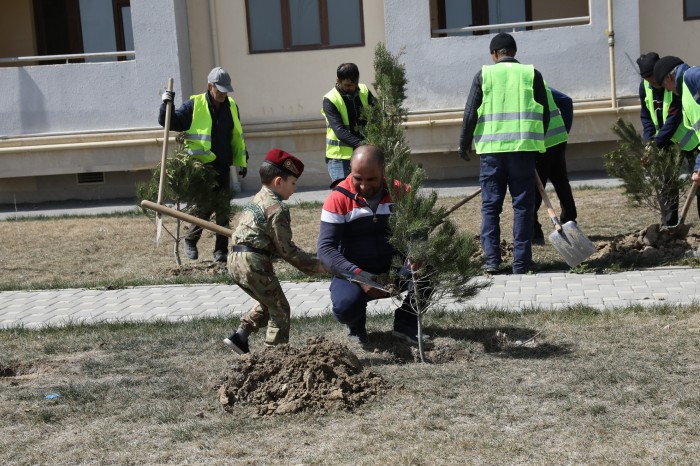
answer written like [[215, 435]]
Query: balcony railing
[[68, 57], [514, 26]]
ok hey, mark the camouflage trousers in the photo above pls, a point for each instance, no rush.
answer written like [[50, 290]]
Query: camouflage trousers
[[255, 275]]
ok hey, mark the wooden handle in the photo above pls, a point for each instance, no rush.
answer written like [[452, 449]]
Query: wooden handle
[[547, 203], [187, 218], [462, 202], [166, 136], [688, 201]]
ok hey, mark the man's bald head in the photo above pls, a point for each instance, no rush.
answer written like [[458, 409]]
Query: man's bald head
[[367, 170], [368, 154]]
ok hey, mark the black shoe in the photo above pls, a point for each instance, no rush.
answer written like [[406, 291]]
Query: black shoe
[[236, 343], [358, 335], [491, 269], [220, 256], [408, 333], [191, 249]]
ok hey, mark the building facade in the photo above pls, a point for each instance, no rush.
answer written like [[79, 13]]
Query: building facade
[[81, 124]]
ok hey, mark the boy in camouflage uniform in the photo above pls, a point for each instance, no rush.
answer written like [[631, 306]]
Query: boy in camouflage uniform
[[264, 231]]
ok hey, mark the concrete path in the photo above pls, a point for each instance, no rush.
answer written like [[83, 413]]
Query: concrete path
[[31, 309], [556, 290]]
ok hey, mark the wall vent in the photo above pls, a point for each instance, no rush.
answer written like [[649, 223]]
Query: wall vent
[[91, 178]]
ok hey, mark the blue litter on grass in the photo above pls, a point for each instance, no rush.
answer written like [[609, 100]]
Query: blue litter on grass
[[51, 396]]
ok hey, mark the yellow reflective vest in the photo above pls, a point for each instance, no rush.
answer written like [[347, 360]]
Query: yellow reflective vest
[[684, 136], [509, 117], [335, 148], [198, 136], [556, 131]]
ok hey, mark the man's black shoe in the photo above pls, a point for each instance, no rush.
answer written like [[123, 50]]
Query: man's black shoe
[[220, 256], [358, 335], [408, 333], [236, 343], [191, 249]]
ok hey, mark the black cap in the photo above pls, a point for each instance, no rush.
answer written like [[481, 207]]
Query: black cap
[[646, 64], [664, 66], [502, 40]]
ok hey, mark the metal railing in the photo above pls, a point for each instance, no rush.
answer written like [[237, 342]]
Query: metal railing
[[70, 56], [542, 22]]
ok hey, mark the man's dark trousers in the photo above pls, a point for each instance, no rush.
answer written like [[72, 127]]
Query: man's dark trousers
[[514, 171], [551, 166]]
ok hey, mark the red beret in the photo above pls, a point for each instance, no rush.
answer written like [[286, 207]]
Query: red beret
[[285, 161]]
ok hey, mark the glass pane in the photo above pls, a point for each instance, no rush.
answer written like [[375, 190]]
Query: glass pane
[[265, 23], [97, 25], [506, 11], [344, 25], [458, 14], [692, 8], [305, 22], [128, 29]]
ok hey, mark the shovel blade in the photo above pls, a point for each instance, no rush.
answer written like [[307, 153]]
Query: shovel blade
[[573, 245]]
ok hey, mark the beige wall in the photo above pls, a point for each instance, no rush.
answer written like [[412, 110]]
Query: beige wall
[[17, 30], [299, 79], [663, 30]]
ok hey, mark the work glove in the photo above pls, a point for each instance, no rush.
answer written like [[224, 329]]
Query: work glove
[[168, 96], [364, 275], [648, 152], [463, 154], [243, 171]]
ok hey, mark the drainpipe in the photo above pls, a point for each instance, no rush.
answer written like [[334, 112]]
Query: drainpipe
[[611, 48], [235, 184]]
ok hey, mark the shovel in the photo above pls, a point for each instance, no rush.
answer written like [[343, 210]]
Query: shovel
[[681, 230], [163, 158], [567, 239]]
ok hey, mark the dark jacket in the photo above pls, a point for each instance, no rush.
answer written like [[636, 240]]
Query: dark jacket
[[350, 237], [476, 96], [566, 107]]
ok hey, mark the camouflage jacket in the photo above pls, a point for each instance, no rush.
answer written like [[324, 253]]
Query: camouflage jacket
[[266, 224]]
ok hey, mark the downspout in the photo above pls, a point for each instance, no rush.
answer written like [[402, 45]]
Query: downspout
[[611, 48], [235, 184]]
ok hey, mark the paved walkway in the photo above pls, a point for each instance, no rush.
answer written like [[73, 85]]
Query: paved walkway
[[556, 290], [31, 309]]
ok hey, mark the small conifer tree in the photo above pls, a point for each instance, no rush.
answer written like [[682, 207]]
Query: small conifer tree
[[420, 231], [649, 174], [188, 183]]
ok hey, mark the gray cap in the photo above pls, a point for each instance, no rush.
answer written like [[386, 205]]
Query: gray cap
[[221, 79]]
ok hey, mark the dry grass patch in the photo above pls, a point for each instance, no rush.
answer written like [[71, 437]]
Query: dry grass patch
[[120, 250], [590, 388]]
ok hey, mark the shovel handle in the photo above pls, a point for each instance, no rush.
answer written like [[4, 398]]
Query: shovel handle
[[462, 202], [547, 203], [166, 136], [688, 201]]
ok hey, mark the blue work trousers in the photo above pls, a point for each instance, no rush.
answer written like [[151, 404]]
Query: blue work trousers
[[514, 171]]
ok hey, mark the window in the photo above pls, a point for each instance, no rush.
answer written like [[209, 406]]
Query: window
[[82, 26], [288, 25], [691, 9], [448, 14]]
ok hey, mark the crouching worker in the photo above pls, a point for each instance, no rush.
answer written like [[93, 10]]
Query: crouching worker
[[264, 231], [354, 242]]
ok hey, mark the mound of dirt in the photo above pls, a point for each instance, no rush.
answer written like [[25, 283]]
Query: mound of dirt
[[320, 377], [651, 245]]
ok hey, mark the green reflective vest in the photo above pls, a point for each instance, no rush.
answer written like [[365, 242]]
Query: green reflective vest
[[509, 118], [556, 131], [335, 148], [684, 136], [198, 136]]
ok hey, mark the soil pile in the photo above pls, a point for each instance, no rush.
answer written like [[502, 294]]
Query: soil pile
[[319, 377], [651, 245]]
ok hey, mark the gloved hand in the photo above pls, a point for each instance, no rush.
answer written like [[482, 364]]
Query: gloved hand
[[364, 275], [463, 154], [648, 151], [243, 171], [168, 96]]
